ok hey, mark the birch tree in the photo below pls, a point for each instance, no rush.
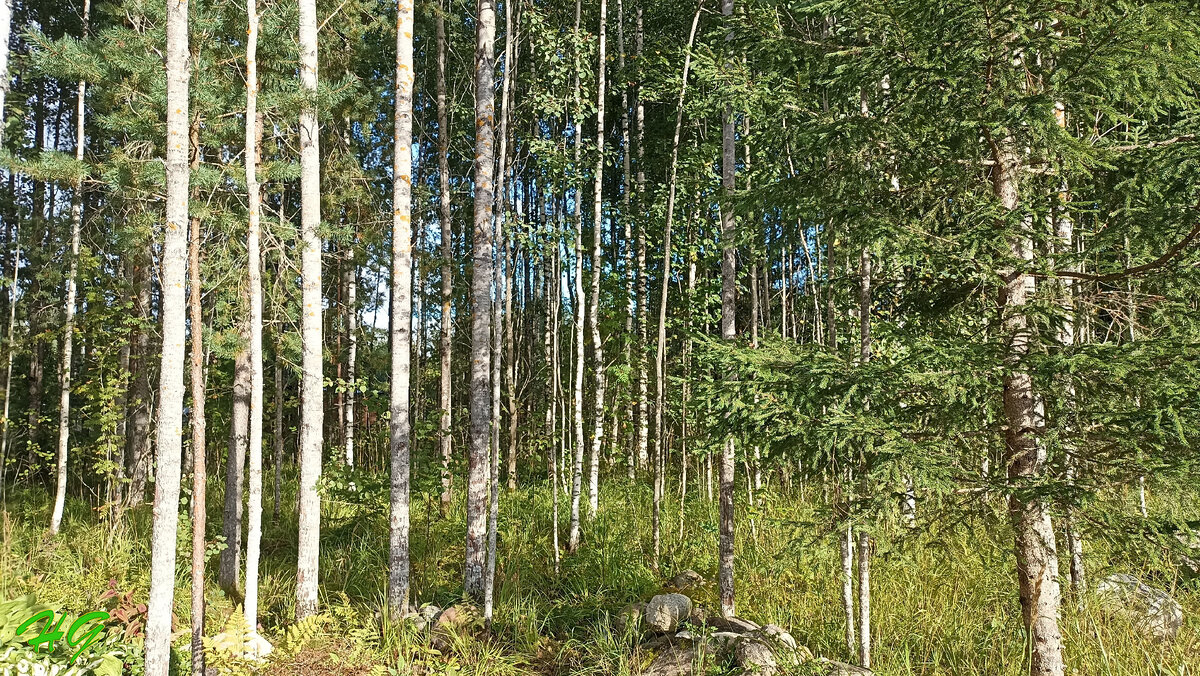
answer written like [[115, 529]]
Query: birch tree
[[68, 339], [312, 415], [398, 561]]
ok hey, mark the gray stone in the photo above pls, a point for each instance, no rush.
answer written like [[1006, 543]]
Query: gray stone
[[673, 660], [1189, 564], [777, 634], [1151, 610], [733, 624], [755, 657], [688, 579], [666, 611]]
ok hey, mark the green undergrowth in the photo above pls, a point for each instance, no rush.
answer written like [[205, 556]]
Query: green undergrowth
[[943, 596]]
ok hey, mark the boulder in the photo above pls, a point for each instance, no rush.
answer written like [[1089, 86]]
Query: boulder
[[724, 640], [732, 624], [1151, 610], [666, 611], [778, 636], [688, 579], [698, 617], [630, 617], [755, 657], [675, 659]]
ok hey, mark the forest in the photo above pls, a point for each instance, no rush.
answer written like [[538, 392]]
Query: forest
[[497, 337]]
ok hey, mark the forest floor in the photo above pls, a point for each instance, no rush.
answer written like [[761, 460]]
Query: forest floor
[[944, 597]]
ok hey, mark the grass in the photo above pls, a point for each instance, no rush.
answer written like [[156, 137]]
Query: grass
[[944, 599]]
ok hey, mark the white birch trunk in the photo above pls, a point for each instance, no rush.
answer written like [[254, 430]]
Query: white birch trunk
[[312, 414], [68, 340], [728, 332], [445, 435], [401, 324], [253, 158], [597, 266]]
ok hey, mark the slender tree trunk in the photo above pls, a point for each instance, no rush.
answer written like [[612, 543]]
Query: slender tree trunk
[[847, 542], [254, 278], [864, 540], [627, 220], [660, 359], [312, 415], [64, 365], [277, 437], [481, 300], [498, 283], [401, 323], [138, 427], [597, 266], [577, 304], [445, 435], [728, 332], [170, 398], [350, 279], [1037, 561], [643, 294], [229, 575], [199, 425]]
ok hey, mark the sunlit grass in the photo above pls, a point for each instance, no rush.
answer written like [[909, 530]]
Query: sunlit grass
[[944, 599]]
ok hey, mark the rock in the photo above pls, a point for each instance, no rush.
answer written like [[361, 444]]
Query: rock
[[429, 611], [630, 617], [666, 611], [673, 660], [755, 657], [1151, 610], [777, 635], [724, 640], [698, 617], [688, 579], [835, 668], [733, 624], [458, 616]]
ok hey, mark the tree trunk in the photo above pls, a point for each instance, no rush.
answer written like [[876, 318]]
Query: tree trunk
[[481, 301], [597, 266], [847, 542], [137, 437], [312, 415], [277, 437], [170, 398], [728, 332], [199, 430], [577, 306], [627, 218], [253, 159], [64, 365], [229, 575], [643, 293], [1037, 562], [350, 279], [445, 435], [401, 323]]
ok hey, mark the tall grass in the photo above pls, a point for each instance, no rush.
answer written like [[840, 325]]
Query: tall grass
[[944, 599]]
